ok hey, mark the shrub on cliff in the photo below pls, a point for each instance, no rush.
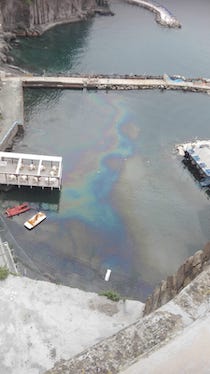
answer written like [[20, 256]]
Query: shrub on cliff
[[111, 295], [4, 272]]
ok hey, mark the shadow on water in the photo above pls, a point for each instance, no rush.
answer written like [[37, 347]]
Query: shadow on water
[[39, 198], [193, 170], [42, 96], [53, 51]]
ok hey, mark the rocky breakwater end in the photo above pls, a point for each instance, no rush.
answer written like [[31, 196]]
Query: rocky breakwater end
[[170, 287], [163, 16]]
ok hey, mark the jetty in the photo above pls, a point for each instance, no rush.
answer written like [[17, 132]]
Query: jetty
[[116, 82], [163, 16]]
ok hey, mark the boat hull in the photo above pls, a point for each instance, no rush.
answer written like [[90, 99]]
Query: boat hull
[[35, 220], [16, 210]]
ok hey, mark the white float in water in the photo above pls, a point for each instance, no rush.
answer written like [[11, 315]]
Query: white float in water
[[107, 276]]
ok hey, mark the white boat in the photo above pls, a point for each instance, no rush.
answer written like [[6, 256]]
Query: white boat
[[35, 220]]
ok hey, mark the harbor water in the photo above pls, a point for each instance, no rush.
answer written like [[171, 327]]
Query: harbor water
[[127, 203]]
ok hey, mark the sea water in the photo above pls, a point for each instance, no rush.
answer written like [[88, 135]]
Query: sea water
[[127, 203]]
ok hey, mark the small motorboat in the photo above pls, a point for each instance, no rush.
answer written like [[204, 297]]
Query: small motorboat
[[35, 220], [10, 212]]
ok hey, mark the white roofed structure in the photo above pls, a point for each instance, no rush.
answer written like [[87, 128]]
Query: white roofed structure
[[198, 152], [31, 170]]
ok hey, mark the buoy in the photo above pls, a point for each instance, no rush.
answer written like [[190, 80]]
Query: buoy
[[107, 276]]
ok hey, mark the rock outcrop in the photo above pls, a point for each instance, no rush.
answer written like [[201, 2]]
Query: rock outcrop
[[32, 17], [170, 287]]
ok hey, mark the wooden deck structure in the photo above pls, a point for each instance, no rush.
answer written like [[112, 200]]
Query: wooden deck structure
[[30, 170]]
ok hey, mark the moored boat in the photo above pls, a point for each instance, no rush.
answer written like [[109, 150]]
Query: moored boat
[[35, 220], [10, 212], [196, 156]]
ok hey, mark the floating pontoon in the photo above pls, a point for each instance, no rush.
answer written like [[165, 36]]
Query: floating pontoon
[[198, 155], [30, 170], [35, 220]]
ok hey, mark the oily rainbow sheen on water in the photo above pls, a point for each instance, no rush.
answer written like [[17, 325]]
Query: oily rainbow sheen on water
[[94, 168]]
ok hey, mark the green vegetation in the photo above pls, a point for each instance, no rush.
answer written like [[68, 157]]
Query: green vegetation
[[28, 1], [111, 295], [4, 272]]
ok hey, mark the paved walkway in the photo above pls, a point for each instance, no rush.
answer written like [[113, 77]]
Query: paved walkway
[[188, 353]]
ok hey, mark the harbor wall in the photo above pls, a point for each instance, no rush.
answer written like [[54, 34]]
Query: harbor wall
[[12, 119], [163, 16], [118, 82]]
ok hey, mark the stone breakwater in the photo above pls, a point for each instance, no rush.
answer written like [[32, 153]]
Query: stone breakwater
[[163, 16]]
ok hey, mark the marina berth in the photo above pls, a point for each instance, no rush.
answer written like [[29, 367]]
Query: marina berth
[[197, 153], [31, 170]]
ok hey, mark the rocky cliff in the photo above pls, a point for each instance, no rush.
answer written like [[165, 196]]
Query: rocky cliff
[[34, 16], [170, 287]]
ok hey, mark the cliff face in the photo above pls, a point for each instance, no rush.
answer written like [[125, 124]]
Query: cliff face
[[170, 287], [40, 14]]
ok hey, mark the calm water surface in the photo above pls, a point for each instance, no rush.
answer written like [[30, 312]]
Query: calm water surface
[[127, 203]]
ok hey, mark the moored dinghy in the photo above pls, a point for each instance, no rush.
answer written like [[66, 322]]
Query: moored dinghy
[[10, 212], [35, 220]]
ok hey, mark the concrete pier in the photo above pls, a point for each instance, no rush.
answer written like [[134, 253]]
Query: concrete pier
[[163, 16], [123, 82]]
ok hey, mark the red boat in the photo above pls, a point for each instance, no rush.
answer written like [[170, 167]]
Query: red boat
[[10, 212]]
